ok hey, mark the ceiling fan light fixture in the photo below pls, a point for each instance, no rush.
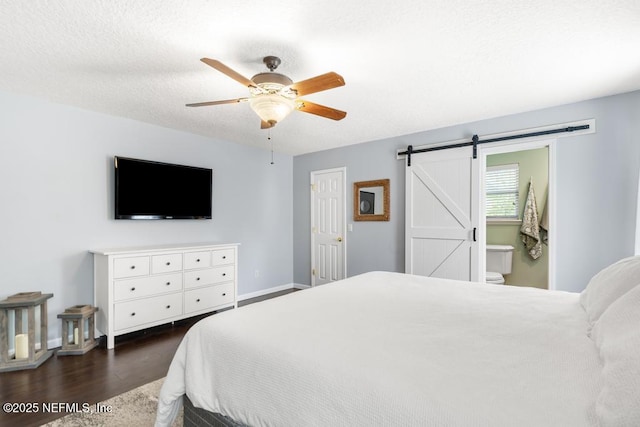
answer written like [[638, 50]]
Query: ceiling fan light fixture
[[271, 108], [272, 96]]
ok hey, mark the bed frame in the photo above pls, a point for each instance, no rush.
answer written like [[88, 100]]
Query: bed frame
[[197, 417]]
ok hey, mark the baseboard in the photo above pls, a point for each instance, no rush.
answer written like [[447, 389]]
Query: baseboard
[[54, 343], [272, 290], [265, 291]]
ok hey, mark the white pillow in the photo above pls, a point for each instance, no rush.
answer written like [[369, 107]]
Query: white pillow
[[609, 285], [617, 335]]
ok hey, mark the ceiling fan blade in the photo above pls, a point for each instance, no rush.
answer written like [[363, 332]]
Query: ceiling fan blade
[[226, 101], [320, 110], [228, 71], [318, 83]]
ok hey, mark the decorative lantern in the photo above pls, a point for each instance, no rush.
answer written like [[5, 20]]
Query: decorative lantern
[[27, 354], [78, 320]]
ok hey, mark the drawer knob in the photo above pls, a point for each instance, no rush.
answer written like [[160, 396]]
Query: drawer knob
[[133, 289], [224, 257], [198, 300], [133, 267], [168, 263], [224, 294], [198, 260], [168, 306], [224, 274], [133, 314], [168, 283], [197, 278]]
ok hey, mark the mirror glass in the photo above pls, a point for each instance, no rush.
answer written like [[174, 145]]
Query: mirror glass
[[371, 200]]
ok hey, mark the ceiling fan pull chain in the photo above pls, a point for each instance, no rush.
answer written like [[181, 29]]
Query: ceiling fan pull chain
[[271, 141]]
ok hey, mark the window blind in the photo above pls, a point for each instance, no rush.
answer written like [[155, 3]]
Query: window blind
[[502, 191]]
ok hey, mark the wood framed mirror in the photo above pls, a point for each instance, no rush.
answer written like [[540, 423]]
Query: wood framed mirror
[[371, 200]]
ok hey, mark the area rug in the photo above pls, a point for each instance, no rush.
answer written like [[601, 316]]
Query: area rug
[[133, 408]]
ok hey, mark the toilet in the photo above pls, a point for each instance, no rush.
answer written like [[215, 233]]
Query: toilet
[[498, 263]]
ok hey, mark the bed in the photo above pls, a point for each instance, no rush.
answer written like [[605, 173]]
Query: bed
[[391, 349]]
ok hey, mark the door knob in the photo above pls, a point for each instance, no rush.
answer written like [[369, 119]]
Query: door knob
[[339, 239]]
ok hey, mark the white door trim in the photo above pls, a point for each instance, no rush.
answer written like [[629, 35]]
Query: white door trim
[[507, 147], [312, 180]]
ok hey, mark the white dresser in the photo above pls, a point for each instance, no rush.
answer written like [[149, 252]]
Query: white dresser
[[137, 288]]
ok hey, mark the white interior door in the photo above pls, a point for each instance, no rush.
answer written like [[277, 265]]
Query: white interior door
[[328, 218], [441, 215]]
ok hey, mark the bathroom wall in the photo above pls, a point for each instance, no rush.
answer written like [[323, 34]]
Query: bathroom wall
[[533, 164]]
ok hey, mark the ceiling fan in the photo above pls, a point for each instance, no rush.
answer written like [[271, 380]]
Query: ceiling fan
[[273, 96]]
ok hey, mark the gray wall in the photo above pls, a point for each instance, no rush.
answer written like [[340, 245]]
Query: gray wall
[[56, 197], [371, 245], [597, 187]]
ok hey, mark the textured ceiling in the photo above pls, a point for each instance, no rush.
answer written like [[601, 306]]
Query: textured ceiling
[[409, 66]]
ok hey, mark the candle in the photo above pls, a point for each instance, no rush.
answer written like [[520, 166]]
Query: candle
[[75, 336], [22, 346]]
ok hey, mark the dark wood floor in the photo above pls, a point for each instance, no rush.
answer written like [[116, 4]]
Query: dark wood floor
[[98, 375]]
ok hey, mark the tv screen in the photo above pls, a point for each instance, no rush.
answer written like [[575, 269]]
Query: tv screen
[[152, 190]]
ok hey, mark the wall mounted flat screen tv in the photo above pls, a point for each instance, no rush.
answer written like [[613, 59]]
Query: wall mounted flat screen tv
[[146, 189]]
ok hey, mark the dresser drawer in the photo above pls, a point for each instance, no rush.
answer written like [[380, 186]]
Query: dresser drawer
[[134, 313], [208, 276], [131, 267], [207, 298], [222, 257], [166, 263], [197, 260], [146, 286]]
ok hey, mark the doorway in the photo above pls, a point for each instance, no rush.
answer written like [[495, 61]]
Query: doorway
[[328, 222], [536, 161]]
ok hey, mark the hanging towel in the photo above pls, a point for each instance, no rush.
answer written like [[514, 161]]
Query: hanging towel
[[530, 230]]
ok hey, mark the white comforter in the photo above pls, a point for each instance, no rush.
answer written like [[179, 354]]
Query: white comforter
[[389, 349]]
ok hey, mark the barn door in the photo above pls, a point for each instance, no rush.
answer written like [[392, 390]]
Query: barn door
[[441, 215]]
